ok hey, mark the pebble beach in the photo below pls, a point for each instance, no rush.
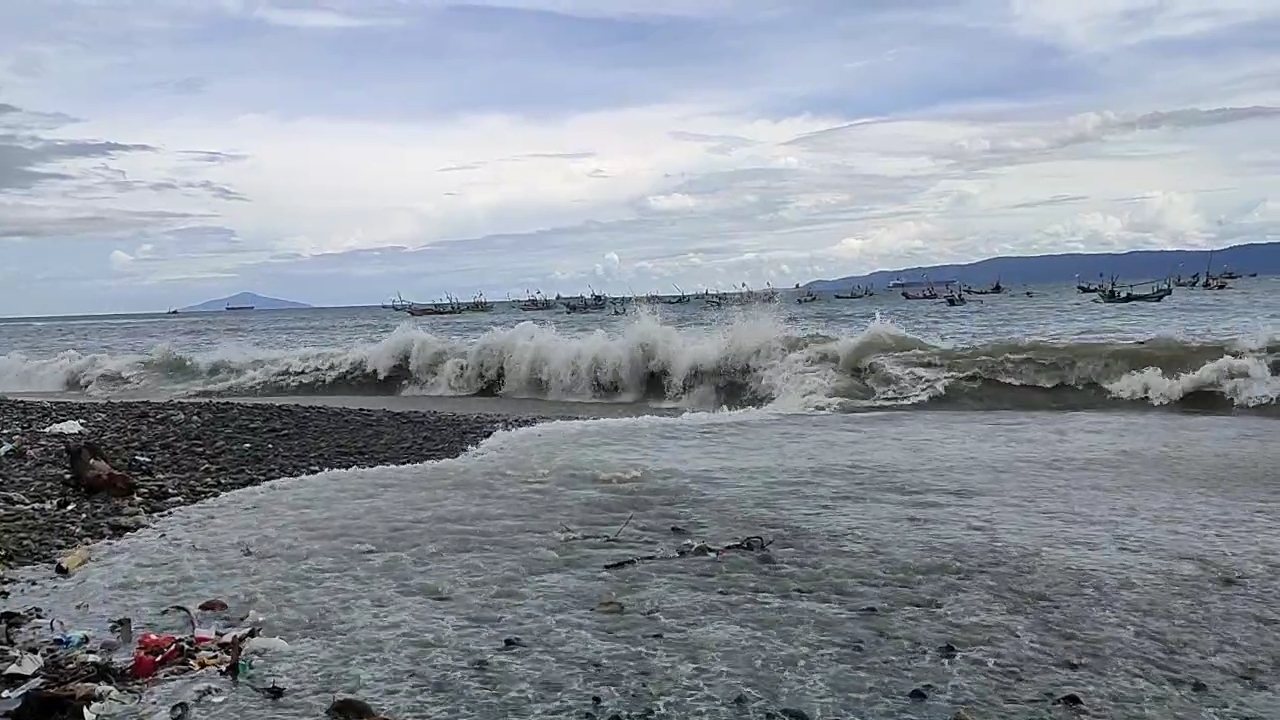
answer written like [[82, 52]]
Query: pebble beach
[[181, 453]]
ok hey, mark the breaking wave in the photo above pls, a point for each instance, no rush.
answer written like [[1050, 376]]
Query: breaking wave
[[754, 361]]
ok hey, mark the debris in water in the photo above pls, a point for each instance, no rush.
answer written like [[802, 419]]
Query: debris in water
[[73, 561], [610, 606], [350, 709], [1070, 700], [568, 534], [689, 548], [918, 695], [214, 605]]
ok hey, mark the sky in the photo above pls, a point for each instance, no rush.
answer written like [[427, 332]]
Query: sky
[[157, 153]]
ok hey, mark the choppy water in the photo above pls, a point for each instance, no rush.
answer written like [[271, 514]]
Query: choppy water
[[1119, 557], [1198, 349], [1122, 555]]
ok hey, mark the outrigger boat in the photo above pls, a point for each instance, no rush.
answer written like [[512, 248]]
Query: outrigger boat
[[1190, 282], [538, 302], [1088, 288], [955, 298], [856, 292], [1160, 289], [581, 304], [995, 289]]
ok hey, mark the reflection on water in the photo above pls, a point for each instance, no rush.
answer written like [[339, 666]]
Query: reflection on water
[[1121, 558]]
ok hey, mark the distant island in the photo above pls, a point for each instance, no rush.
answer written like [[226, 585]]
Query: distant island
[[1260, 258], [245, 301]]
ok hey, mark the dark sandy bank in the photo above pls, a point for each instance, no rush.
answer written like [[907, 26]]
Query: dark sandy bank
[[182, 453]]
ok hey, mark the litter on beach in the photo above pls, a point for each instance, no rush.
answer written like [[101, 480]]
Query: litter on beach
[[61, 675], [66, 427]]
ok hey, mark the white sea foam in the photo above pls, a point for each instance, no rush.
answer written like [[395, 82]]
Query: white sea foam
[[753, 360]]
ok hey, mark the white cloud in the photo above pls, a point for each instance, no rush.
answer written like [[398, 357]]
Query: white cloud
[[673, 202], [582, 156], [1102, 24], [317, 18], [120, 260]]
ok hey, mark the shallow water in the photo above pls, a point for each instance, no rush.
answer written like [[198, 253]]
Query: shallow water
[[1140, 550]]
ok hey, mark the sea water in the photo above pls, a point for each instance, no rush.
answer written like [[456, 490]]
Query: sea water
[[1077, 498]]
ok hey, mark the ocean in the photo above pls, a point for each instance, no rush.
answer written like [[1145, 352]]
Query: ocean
[[995, 505]]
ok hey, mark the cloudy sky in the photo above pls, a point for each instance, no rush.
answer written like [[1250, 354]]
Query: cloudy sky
[[161, 152]]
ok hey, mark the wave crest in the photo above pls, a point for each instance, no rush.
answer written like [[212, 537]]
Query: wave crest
[[753, 361]]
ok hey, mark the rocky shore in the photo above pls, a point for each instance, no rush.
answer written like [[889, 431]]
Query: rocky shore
[[180, 453]]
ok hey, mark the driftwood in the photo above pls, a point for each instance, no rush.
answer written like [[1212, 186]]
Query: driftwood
[[92, 473], [568, 534], [753, 543]]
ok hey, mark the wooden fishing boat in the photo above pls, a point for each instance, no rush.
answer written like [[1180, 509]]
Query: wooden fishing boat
[[856, 292], [995, 289], [1113, 295], [926, 294]]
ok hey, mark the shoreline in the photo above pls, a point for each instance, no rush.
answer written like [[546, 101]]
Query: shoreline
[[183, 452], [506, 407]]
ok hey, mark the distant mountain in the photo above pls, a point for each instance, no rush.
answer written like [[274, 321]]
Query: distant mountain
[[246, 300], [1261, 258]]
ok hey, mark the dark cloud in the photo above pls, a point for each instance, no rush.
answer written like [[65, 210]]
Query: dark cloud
[[23, 221], [24, 160], [1048, 202]]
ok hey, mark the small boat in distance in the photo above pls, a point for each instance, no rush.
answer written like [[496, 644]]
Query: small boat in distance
[[807, 297], [995, 289], [171, 311], [926, 294], [1160, 289], [238, 307], [857, 292]]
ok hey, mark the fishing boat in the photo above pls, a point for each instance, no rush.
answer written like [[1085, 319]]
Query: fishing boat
[[680, 299], [955, 298], [926, 294], [538, 302], [1190, 282], [238, 307], [995, 289], [478, 304], [856, 292], [1085, 288], [1160, 289], [584, 303], [171, 311], [807, 297], [433, 309]]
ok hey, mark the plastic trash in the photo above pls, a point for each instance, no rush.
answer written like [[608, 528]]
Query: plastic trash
[[151, 642], [66, 427], [264, 645], [7, 448], [73, 639], [72, 562], [114, 704], [26, 665], [23, 689]]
